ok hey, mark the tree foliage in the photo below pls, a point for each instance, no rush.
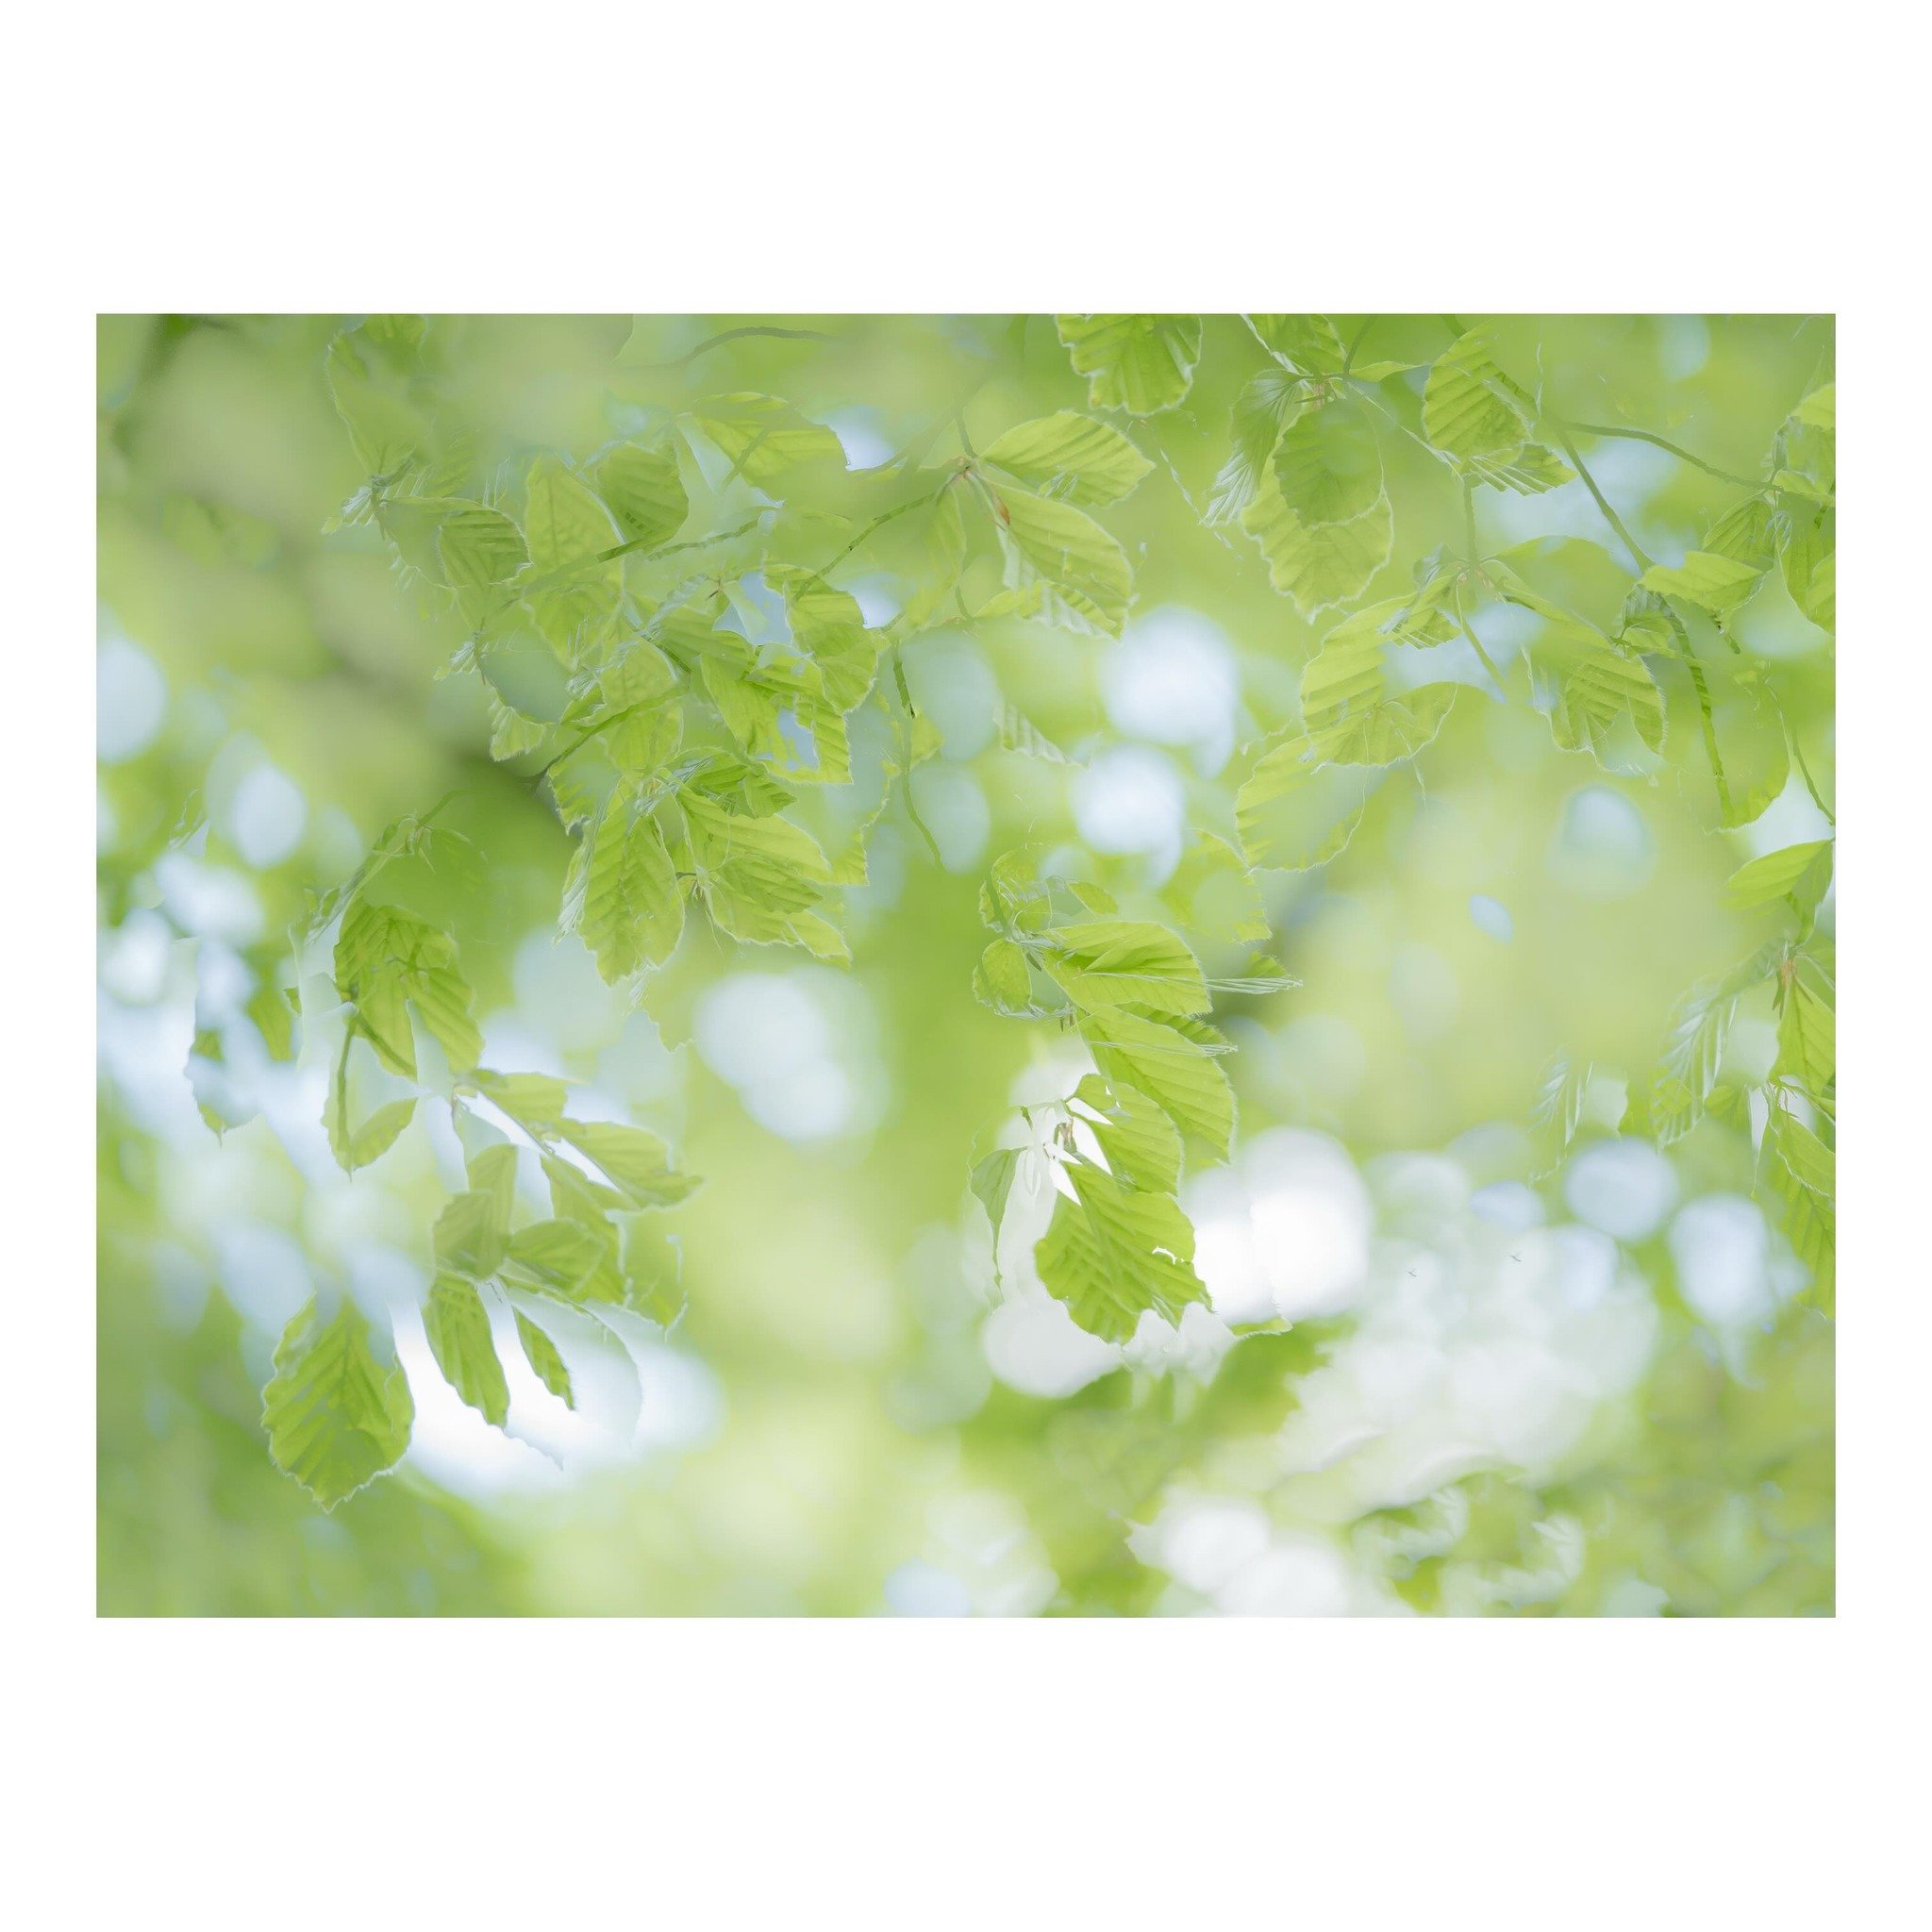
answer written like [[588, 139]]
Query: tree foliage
[[670, 639]]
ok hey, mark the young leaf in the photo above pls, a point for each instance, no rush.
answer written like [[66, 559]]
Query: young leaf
[[457, 1326], [764, 438], [1694, 1046], [1116, 962], [1328, 465], [1141, 1145], [479, 547], [1069, 456], [992, 1182], [542, 1354], [1798, 873], [637, 1164], [1174, 1063], [335, 1416], [1001, 979], [1139, 363], [630, 910], [1322, 564], [641, 488], [1064, 549], [1112, 1253]]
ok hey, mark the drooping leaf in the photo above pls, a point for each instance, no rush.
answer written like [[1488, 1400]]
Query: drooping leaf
[[993, 1183], [1141, 1145], [1064, 550], [642, 489], [1174, 1063], [1001, 979], [1806, 1032], [542, 1354], [1139, 363], [623, 895], [457, 1326], [1693, 1047], [562, 1254], [1318, 565], [1470, 409], [1328, 465], [1112, 1253], [335, 1416], [1801, 1173]]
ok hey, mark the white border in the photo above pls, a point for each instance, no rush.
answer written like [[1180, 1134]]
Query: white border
[[990, 155]]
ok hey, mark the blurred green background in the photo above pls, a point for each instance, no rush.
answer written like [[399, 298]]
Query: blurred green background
[[1485, 1388]]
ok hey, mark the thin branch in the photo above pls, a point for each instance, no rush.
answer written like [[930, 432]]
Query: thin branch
[[1603, 502], [1682, 454]]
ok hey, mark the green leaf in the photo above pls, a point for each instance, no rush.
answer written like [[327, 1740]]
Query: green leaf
[[637, 1164], [472, 1230], [1599, 683], [1694, 1046], [1327, 464], [542, 1354], [1112, 1253], [622, 894], [1139, 363], [385, 428], [458, 1327], [1296, 810], [1807, 1035], [479, 547], [273, 1019], [565, 522], [1069, 456], [1116, 962], [1141, 1145], [1470, 409], [1809, 556], [335, 1416], [1323, 564], [1559, 1110], [1258, 414], [1800, 872], [1001, 980], [1309, 343], [1712, 582], [761, 876], [388, 961], [992, 1182], [1802, 1172], [559, 1255], [1015, 897], [1064, 549], [1174, 1063], [535, 1101], [357, 1147], [1819, 408], [764, 438], [642, 489], [1750, 731]]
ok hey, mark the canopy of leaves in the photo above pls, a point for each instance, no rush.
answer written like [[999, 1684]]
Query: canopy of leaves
[[1125, 750]]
